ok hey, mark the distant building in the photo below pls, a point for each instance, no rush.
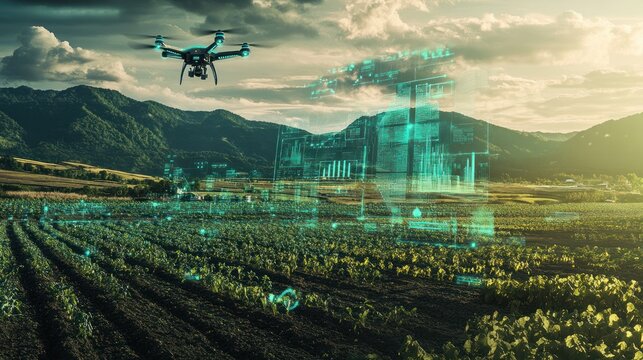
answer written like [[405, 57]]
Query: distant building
[[230, 173], [200, 165]]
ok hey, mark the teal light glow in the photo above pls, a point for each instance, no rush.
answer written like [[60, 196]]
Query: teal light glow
[[562, 216], [433, 244], [192, 277], [417, 213], [450, 226], [468, 280], [288, 299], [370, 227], [515, 240], [482, 224]]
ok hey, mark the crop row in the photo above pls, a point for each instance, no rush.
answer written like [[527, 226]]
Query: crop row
[[68, 321], [11, 299], [580, 316], [235, 282], [363, 257]]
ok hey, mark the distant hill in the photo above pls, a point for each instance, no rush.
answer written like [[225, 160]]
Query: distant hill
[[613, 147], [554, 136], [515, 153], [107, 129]]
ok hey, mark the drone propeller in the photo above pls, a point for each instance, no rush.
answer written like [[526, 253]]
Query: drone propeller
[[204, 32], [254, 45], [146, 36], [139, 46]]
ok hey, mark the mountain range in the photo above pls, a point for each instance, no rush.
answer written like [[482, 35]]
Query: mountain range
[[105, 128]]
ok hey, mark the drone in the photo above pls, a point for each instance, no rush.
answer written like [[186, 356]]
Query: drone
[[198, 58]]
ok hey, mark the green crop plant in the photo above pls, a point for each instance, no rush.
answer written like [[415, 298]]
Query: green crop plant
[[66, 298], [10, 304], [569, 292]]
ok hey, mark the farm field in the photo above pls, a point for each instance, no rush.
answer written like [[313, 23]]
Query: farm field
[[72, 165], [287, 280], [29, 179]]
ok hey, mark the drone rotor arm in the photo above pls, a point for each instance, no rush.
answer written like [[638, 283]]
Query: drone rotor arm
[[173, 51], [226, 55], [211, 47]]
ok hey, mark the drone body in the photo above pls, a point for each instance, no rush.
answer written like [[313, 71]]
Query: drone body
[[199, 58]]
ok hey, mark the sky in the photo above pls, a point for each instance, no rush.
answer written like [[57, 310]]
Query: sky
[[549, 65]]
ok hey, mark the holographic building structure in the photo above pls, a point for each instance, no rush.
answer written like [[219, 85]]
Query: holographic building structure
[[410, 148]]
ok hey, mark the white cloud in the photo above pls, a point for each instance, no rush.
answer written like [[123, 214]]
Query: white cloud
[[42, 57], [262, 83], [567, 38], [602, 80], [378, 18], [566, 103]]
